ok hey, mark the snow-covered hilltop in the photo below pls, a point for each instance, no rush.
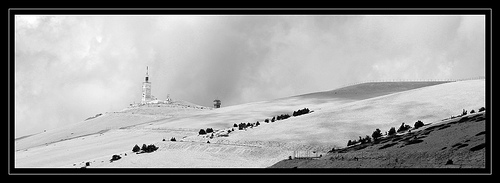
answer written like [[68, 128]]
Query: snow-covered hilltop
[[337, 116]]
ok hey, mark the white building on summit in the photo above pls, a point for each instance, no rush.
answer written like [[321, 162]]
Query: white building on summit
[[147, 97], [146, 89]]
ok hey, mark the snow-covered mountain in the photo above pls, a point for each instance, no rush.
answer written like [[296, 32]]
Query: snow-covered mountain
[[338, 115]]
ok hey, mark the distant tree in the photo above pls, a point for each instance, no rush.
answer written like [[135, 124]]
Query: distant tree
[[209, 130], [115, 157], [144, 147], [367, 139], [472, 111], [257, 124], [481, 109], [202, 132], [392, 131], [349, 143], [464, 112], [136, 148], [272, 120], [267, 120], [235, 125], [418, 124], [242, 126], [376, 134], [173, 139], [403, 127]]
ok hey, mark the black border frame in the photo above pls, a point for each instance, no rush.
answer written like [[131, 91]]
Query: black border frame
[[487, 12]]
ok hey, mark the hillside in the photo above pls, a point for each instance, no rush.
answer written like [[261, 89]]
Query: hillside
[[433, 146], [334, 120]]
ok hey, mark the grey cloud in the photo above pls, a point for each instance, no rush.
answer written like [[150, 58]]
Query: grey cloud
[[75, 67]]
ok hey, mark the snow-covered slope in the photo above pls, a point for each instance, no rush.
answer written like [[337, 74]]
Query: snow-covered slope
[[349, 113]]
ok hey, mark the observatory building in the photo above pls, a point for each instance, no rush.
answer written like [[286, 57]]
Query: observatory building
[[217, 103], [146, 89]]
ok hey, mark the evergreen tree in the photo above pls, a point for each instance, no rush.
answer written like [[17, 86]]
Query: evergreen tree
[[209, 130], [392, 131], [376, 134], [418, 124], [136, 148]]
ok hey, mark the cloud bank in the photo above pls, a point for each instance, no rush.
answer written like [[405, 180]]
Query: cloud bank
[[68, 68]]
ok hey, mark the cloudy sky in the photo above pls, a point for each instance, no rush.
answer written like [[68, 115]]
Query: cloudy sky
[[68, 68]]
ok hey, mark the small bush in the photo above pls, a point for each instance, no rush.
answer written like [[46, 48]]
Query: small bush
[[235, 125], [472, 111], [300, 112], [267, 120], [481, 109], [115, 157]]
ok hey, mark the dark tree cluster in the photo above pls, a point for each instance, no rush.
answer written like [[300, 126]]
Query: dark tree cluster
[[242, 126], [282, 116], [300, 112], [403, 128], [145, 148], [367, 139], [173, 139], [203, 131], [148, 148]]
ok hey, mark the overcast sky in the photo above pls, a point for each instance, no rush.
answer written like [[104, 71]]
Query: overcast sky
[[68, 68]]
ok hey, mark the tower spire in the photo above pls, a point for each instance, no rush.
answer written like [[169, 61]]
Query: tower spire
[[147, 73]]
